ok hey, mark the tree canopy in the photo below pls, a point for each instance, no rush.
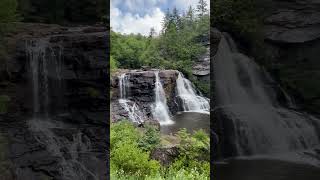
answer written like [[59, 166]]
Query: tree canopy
[[178, 44]]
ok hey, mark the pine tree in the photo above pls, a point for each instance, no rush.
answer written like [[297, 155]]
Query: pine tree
[[152, 32], [190, 14], [202, 8], [166, 21], [176, 19]]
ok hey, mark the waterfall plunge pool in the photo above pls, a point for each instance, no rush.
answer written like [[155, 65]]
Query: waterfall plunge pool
[[190, 120]]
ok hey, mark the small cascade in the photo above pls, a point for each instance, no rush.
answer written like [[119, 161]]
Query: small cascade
[[254, 119], [133, 110], [190, 101], [36, 51], [160, 109], [70, 157], [45, 64]]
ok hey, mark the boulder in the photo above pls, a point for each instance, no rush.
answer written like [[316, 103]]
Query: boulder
[[165, 155]]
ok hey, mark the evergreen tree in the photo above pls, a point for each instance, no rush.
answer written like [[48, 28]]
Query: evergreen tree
[[190, 14], [202, 8], [152, 33]]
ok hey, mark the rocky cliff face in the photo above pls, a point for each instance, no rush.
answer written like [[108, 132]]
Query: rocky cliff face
[[141, 90], [77, 125], [292, 32]]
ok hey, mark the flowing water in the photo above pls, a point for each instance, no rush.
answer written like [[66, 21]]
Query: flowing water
[[45, 66], [259, 125], [248, 97], [134, 112], [190, 101], [160, 108]]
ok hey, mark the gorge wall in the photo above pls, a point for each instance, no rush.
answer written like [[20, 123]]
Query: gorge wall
[[291, 33]]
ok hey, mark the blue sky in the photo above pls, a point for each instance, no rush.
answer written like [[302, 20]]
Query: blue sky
[[138, 16]]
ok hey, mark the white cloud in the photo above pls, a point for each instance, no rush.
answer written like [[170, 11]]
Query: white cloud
[[184, 4], [139, 16], [133, 23]]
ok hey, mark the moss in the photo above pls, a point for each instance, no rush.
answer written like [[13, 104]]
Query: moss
[[92, 92], [4, 102]]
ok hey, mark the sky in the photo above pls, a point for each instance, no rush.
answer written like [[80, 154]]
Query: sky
[[139, 16]]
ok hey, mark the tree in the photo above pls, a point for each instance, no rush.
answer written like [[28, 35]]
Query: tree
[[152, 32], [8, 11], [190, 14], [202, 8]]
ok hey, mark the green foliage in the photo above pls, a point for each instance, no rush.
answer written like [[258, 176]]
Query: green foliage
[[126, 156], [150, 139], [63, 11], [132, 160], [4, 101], [123, 132], [179, 44], [238, 14], [113, 64], [127, 49], [243, 19], [196, 146], [8, 11], [130, 155], [8, 15], [92, 92]]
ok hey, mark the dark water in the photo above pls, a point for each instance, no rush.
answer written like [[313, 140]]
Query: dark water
[[260, 169], [189, 120]]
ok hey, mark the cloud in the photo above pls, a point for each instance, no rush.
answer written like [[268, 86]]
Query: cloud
[[139, 16], [184, 4], [134, 23]]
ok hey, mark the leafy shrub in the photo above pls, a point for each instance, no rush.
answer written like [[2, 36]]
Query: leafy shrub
[[129, 158], [150, 139], [194, 152], [123, 132], [130, 155]]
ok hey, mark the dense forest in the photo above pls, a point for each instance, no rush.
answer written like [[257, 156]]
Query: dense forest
[[64, 12]]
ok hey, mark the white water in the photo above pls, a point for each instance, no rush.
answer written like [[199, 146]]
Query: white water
[[133, 110], [160, 108], [39, 74], [190, 101], [45, 63], [247, 98]]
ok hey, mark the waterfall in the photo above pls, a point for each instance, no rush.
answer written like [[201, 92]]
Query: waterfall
[[160, 109], [36, 52], [247, 98], [189, 99], [45, 63], [133, 110]]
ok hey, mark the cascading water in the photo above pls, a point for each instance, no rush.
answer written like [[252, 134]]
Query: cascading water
[[36, 51], [133, 110], [190, 101], [160, 109], [247, 97], [46, 64]]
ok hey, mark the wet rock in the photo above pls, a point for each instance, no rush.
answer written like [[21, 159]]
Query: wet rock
[[165, 155], [141, 85]]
